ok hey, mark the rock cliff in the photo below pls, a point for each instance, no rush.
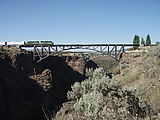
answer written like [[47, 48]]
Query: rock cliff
[[34, 91]]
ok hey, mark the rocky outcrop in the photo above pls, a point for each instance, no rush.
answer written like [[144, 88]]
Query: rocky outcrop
[[63, 76], [91, 65], [66, 111], [76, 63], [20, 96], [30, 91], [44, 79]]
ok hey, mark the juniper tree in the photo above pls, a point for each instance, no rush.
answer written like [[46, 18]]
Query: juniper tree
[[148, 40], [157, 43], [142, 41], [136, 41]]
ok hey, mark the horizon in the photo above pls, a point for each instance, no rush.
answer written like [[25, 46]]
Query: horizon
[[79, 21]]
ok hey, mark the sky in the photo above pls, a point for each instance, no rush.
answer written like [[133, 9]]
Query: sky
[[79, 21]]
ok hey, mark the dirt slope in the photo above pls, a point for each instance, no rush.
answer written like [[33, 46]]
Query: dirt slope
[[140, 72]]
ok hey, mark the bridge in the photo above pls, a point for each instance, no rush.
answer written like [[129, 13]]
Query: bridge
[[42, 51]]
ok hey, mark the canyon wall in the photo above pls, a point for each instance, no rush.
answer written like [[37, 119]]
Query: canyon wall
[[34, 91]]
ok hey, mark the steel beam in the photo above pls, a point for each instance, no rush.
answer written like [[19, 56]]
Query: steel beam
[[103, 48]]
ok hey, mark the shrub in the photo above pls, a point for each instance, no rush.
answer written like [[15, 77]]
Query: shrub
[[150, 64], [102, 98], [1, 48], [155, 51]]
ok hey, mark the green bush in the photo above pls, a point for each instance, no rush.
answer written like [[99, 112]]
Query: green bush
[[101, 98]]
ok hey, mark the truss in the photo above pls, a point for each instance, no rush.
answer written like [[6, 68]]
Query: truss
[[113, 50]]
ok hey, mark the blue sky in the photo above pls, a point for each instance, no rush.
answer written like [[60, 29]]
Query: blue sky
[[79, 21]]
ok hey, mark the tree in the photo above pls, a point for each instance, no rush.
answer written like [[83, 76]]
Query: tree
[[148, 40], [136, 41], [142, 41], [157, 43]]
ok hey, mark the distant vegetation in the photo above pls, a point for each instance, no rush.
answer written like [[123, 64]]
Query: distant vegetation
[[158, 43], [136, 40], [148, 40]]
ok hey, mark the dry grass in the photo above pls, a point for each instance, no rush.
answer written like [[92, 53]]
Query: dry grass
[[141, 73]]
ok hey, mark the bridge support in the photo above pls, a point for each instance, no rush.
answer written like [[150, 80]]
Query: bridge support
[[113, 50]]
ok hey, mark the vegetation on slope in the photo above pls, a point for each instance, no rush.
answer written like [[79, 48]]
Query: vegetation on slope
[[131, 95], [108, 65], [140, 72], [101, 98]]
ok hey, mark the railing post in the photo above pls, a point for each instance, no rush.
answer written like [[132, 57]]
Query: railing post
[[101, 48], [115, 51], [34, 53], [108, 50], [49, 50], [123, 48], [56, 48], [41, 51]]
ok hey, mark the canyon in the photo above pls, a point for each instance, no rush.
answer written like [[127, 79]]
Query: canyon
[[35, 91]]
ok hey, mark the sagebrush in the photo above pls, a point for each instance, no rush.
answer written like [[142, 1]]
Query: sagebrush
[[101, 98]]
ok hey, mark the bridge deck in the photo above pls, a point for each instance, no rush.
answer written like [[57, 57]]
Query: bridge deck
[[46, 45]]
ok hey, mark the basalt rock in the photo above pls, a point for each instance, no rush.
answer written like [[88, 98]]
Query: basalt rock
[[30, 91]]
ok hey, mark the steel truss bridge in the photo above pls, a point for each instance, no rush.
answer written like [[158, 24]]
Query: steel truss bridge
[[42, 51]]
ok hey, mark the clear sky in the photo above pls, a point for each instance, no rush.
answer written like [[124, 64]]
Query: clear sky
[[79, 21]]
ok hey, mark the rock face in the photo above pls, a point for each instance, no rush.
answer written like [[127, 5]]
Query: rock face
[[30, 91], [66, 111], [75, 62], [63, 76], [20, 96], [44, 80]]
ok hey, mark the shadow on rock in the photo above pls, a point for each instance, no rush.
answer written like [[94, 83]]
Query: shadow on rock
[[24, 95], [63, 76], [21, 98]]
